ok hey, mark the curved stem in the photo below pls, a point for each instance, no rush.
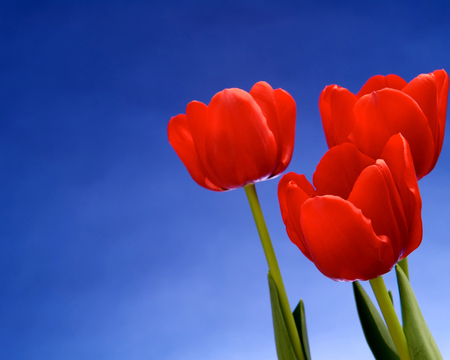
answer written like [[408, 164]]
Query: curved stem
[[404, 265], [250, 190], [392, 322]]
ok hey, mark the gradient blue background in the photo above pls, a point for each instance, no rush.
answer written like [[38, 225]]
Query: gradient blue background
[[109, 250]]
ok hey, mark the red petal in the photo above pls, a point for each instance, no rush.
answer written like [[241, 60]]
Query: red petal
[[398, 157], [295, 197], [240, 143], [379, 82], [297, 189], [385, 113], [442, 96], [301, 181], [287, 113], [338, 170], [423, 90], [197, 119], [342, 242], [325, 114], [336, 109], [376, 195], [264, 96], [181, 140], [238, 146]]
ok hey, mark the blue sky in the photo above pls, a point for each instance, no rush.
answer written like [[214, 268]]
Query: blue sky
[[109, 250]]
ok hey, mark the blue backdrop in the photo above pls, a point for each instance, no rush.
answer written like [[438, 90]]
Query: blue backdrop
[[108, 249]]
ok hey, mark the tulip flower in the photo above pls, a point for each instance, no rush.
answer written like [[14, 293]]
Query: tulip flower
[[387, 105], [363, 215], [238, 139]]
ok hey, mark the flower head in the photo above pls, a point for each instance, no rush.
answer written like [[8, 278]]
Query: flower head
[[387, 105], [239, 138], [362, 216]]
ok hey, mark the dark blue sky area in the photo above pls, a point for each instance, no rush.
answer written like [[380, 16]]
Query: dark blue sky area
[[109, 250]]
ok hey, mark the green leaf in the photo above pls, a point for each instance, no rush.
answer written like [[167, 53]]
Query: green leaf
[[377, 335], [420, 341], [390, 295], [285, 351], [300, 322]]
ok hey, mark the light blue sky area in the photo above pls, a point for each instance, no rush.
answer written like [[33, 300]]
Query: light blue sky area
[[109, 250]]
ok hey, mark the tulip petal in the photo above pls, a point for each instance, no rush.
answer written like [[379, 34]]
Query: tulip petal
[[379, 82], [279, 109], [423, 90], [241, 147], [376, 195], [442, 84], [295, 197], [197, 120], [336, 110], [385, 113], [338, 170], [264, 96], [397, 156], [342, 242], [287, 113], [232, 138], [300, 181], [293, 191], [181, 140]]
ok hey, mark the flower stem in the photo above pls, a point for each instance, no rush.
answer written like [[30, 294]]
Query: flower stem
[[392, 322], [250, 190], [404, 265]]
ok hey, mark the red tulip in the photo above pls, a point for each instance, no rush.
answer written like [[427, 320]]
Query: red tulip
[[239, 138], [363, 215], [387, 105]]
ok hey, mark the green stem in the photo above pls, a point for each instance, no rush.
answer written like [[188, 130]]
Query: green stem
[[392, 322], [404, 265], [250, 190]]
